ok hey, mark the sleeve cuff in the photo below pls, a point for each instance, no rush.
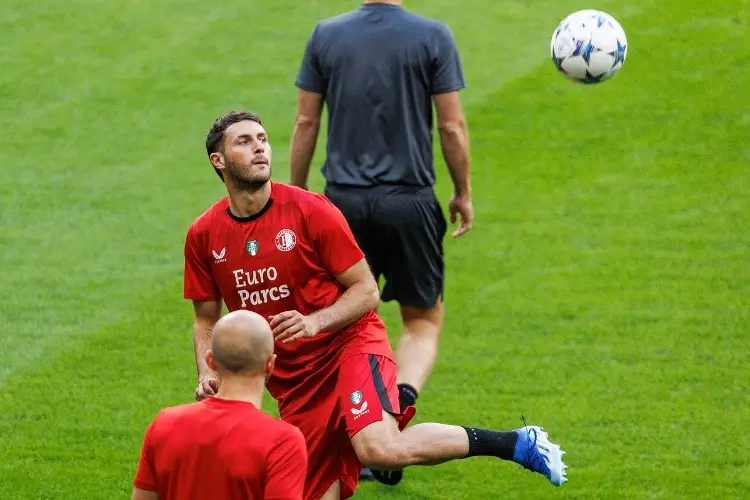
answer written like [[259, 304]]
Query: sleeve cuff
[[445, 90], [308, 87]]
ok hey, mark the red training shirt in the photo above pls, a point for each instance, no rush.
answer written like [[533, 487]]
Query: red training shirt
[[283, 258], [220, 448]]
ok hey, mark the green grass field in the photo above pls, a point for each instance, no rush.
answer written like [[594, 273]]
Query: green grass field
[[604, 292]]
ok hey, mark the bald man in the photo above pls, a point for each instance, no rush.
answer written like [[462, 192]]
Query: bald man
[[225, 447]]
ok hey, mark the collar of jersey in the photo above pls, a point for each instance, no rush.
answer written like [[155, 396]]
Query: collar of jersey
[[253, 217]]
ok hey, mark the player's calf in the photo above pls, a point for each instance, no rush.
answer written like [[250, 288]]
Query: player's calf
[[417, 349], [381, 446]]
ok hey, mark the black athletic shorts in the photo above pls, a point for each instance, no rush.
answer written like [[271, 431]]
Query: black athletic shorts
[[400, 229]]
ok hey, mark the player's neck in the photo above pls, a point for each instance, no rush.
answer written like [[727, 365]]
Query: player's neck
[[246, 203], [390, 2], [245, 389]]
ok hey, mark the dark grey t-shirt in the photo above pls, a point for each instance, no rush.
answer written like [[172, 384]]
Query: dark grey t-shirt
[[378, 67]]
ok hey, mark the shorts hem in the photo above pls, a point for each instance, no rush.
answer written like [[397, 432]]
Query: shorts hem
[[420, 303], [322, 491]]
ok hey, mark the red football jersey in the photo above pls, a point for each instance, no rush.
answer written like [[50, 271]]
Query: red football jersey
[[221, 448], [283, 258]]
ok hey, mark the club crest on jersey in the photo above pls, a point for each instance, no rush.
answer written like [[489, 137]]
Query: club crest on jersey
[[252, 247], [285, 240], [355, 397]]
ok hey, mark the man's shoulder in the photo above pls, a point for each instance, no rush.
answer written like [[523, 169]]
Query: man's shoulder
[[334, 24], [171, 416], [419, 19], [427, 28], [207, 219], [304, 199], [178, 411]]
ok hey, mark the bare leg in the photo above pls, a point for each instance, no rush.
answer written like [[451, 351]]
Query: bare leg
[[333, 493], [380, 446], [418, 345]]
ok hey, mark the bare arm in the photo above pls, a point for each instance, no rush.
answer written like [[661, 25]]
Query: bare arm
[[454, 141], [207, 313], [139, 494], [305, 136], [361, 295]]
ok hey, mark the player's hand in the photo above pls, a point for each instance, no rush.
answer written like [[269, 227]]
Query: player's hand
[[461, 205], [292, 325], [208, 385]]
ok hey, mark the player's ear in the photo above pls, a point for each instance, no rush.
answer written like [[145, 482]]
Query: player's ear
[[270, 365], [217, 160], [210, 360]]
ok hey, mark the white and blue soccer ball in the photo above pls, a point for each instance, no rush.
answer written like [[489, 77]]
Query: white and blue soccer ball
[[589, 46]]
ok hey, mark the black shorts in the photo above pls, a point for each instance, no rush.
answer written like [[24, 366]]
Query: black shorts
[[400, 229]]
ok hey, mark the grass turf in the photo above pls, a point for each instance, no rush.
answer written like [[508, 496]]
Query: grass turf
[[604, 292]]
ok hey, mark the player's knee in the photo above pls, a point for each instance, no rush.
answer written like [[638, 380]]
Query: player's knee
[[422, 323], [372, 454], [380, 455], [426, 316]]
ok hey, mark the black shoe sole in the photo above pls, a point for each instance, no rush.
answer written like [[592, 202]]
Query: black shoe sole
[[391, 478], [366, 475]]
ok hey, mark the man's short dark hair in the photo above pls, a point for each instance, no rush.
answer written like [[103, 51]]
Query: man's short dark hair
[[215, 136]]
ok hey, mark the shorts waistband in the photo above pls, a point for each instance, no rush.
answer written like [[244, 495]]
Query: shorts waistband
[[385, 189]]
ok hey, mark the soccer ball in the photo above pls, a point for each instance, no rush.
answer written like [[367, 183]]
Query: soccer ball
[[589, 46]]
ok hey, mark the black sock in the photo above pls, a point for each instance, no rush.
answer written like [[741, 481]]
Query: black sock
[[407, 395], [491, 443]]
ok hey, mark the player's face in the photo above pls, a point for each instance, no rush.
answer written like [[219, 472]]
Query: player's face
[[247, 154]]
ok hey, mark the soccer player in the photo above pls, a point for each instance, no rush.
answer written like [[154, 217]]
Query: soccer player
[[289, 255], [224, 446], [379, 69]]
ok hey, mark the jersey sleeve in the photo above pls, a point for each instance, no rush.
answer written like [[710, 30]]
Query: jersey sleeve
[[446, 73], [145, 476], [332, 236], [310, 76], [199, 283], [287, 468]]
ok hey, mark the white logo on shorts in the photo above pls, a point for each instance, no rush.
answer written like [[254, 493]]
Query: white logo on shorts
[[362, 410]]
